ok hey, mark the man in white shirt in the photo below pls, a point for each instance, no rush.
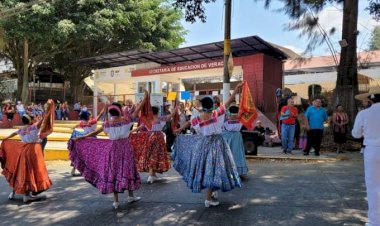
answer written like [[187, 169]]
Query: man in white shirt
[[20, 109], [367, 125]]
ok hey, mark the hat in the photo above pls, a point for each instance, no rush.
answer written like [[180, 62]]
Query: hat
[[365, 96]]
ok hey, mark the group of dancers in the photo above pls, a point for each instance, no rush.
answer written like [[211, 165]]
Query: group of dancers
[[212, 159]]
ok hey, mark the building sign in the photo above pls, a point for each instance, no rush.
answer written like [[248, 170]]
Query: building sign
[[116, 73], [179, 68]]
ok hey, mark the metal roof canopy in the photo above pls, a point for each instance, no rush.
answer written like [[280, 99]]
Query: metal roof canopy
[[240, 47]]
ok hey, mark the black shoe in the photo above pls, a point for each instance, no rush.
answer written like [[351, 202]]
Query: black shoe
[[305, 153], [316, 154]]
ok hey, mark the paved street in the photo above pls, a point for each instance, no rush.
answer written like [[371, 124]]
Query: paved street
[[275, 193]]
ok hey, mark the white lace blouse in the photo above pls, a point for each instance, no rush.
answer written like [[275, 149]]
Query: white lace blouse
[[212, 126], [232, 125], [158, 125], [29, 134], [118, 128]]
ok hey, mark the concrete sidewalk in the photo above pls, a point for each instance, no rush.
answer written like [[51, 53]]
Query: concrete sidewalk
[[290, 193]]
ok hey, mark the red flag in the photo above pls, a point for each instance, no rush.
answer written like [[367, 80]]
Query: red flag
[[146, 115], [247, 109], [48, 121]]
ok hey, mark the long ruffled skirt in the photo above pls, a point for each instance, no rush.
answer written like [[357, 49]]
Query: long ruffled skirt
[[151, 151], [205, 162], [76, 133], [24, 166], [235, 141], [108, 165]]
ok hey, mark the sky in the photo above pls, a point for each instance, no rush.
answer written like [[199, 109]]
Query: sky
[[249, 17]]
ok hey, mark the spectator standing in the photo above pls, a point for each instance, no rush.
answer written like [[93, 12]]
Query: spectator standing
[[83, 109], [77, 107], [182, 115], [288, 117], [367, 125], [340, 121], [302, 138], [65, 111], [195, 108], [29, 109], [315, 116], [216, 102], [9, 111], [58, 110], [20, 109]]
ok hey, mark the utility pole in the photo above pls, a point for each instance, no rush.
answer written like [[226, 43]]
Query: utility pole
[[227, 49]]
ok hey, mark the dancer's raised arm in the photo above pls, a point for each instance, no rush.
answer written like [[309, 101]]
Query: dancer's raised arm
[[169, 117], [140, 106], [232, 97], [92, 134], [11, 135], [101, 113], [183, 127]]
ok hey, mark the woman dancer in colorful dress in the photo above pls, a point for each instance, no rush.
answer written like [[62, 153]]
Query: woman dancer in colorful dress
[[232, 136], [23, 162], [206, 162], [87, 126], [109, 165], [150, 147]]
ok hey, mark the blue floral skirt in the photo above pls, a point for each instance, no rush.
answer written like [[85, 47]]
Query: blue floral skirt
[[235, 141], [205, 162]]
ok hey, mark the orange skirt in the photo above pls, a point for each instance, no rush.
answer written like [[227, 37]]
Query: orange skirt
[[24, 166], [150, 151]]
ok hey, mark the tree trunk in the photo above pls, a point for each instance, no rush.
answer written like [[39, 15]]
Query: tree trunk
[[347, 79], [25, 77]]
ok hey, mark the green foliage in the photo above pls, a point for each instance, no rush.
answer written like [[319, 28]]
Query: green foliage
[[375, 39], [374, 8], [60, 32]]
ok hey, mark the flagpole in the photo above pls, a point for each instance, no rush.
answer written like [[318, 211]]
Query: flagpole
[[227, 50]]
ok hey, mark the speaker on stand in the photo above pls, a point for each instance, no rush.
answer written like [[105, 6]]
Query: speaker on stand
[[251, 141]]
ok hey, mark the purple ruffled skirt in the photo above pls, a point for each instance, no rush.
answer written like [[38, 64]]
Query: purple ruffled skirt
[[108, 165]]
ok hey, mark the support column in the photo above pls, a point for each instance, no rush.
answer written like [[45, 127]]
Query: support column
[[114, 92], [95, 101], [157, 87]]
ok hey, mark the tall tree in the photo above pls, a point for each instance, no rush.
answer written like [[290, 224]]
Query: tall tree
[[60, 32], [374, 43], [303, 13]]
